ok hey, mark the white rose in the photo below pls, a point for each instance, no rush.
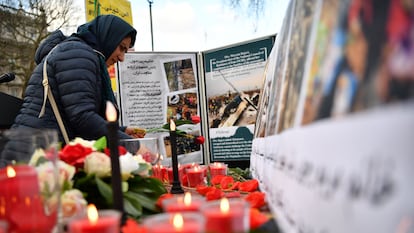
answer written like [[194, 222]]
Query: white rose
[[128, 165], [47, 177], [72, 203], [66, 172], [37, 154], [143, 165], [98, 163]]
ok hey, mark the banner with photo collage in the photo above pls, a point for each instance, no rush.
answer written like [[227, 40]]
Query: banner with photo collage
[[233, 80], [333, 147]]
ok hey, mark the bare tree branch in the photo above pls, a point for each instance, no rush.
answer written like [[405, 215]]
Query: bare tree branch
[[24, 25]]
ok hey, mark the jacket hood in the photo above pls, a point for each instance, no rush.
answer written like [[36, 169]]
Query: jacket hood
[[48, 44], [105, 33]]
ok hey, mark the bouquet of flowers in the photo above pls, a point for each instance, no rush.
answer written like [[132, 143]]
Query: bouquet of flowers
[[85, 170]]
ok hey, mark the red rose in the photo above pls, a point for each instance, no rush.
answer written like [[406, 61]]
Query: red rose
[[203, 190], [249, 186], [214, 194], [217, 179], [199, 140], [121, 150], [226, 182], [195, 119], [256, 199], [74, 154]]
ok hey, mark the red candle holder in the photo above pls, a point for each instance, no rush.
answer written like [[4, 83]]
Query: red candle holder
[[195, 176], [21, 203], [182, 203], [188, 222], [170, 174], [104, 221], [217, 169], [226, 215]]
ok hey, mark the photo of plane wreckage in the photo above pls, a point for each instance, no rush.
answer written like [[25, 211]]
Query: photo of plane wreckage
[[237, 108]]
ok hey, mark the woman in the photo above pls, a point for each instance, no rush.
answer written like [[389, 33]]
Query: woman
[[78, 79]]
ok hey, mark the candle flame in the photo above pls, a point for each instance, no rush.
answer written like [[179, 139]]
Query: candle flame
[[172, 125], [224, 205], [187, 198], [178, 221], [196, 168], [92, 214], [110, 112], [11, 172]]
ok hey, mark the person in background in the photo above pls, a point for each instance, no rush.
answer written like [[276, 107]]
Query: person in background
[[78, 79]]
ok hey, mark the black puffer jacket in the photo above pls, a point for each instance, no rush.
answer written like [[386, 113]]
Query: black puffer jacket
[[78, 79], [75, 81]]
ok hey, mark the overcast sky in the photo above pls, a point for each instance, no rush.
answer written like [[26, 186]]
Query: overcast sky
[[199, 25]]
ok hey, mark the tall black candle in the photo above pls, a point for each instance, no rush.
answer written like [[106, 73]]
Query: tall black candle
[[176, 184], [113, 127]]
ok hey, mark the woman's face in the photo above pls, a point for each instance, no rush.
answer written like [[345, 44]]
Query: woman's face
[[119, 53]]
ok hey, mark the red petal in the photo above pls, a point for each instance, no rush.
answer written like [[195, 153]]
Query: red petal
[[257, 218]]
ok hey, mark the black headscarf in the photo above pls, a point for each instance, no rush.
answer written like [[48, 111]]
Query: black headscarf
[[104, 34]]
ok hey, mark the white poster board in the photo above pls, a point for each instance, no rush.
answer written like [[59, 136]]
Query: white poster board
[[153, 87]]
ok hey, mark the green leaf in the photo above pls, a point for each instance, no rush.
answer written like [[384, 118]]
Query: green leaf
[[100, 144], [143, 200], [104, 189], [132, 206], [147, 185]]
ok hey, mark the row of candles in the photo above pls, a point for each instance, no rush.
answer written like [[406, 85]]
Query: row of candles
[[196, 174], [183, 213]]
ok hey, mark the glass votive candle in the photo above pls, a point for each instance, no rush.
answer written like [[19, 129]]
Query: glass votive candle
[[4, 226], [187, 222], [217, 168], [103, 221], [156, 171], [226, 215], [171, 175], [195, 176], [183, 202]]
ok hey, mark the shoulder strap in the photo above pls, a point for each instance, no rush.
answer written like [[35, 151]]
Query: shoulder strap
[[47, 93]]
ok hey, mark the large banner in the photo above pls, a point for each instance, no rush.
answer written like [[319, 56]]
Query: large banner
[[333, 149], [155, 87], [233, 81], [121, 8]]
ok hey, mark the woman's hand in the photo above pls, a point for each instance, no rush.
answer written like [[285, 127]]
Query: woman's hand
[[135, 132]]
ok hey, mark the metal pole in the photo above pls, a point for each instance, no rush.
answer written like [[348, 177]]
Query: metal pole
[[150, 2]]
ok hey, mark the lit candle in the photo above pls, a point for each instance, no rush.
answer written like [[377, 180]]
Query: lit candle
[[217, 169], [182, 203], [111, 116], [176, 185], [105, 221], [20, 202], [171, 173], [226, 216], [195, 176], [175, 223]]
